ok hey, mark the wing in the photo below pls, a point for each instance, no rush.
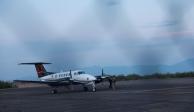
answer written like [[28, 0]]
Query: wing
[[50, 83], [53, 83]]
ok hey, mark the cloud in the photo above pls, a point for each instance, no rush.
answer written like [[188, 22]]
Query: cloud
[[75, 33]]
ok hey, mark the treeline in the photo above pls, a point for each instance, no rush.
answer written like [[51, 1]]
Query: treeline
[[6, 84], [155, 76]]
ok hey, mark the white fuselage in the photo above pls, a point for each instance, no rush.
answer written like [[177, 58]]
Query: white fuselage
[[77, 75]]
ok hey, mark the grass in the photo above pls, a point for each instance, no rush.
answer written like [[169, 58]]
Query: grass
[[155, 76], [6, 84]]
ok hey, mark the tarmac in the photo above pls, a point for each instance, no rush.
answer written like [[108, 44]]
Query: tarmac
[[156, 95]]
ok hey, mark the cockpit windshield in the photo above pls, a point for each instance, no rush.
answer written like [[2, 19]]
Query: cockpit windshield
[[81, 72]]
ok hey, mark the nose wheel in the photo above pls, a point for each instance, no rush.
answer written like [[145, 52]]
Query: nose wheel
[[93, 87]]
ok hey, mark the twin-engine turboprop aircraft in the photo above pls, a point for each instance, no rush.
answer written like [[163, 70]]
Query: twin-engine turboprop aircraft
[[65, 78]]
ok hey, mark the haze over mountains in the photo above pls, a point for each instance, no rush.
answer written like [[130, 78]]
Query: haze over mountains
[[184, 66]]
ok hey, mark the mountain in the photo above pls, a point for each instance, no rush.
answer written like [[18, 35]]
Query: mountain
[[184, 66]]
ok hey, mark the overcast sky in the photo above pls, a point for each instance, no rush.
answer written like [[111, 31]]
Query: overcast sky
[[82, 33]]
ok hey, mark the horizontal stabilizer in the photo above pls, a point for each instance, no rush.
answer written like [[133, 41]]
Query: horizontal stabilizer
[[41, 71], [33, 63]]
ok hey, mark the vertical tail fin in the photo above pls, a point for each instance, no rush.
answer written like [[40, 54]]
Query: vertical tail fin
[[41, 71]]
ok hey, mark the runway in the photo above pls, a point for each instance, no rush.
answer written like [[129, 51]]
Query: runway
[[166, 95]]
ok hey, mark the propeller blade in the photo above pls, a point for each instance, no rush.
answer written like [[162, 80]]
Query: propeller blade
[[102, 72], [70, 74]]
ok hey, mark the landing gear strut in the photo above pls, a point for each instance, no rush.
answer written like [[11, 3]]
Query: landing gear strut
[[93, 87]]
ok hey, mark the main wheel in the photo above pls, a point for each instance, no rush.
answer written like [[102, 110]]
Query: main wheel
[[54, 91]]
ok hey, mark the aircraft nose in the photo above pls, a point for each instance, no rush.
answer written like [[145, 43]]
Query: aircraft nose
[[92, 77]]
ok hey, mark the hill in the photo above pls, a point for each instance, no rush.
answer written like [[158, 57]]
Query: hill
[[184, 66]]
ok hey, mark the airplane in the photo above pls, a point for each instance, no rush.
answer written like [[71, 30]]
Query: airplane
[[75, 77]]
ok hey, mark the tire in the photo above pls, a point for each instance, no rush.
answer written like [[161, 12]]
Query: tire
[[93, 89], [54, 91]]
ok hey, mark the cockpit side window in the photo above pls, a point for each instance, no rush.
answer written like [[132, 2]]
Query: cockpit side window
[[81, 72]]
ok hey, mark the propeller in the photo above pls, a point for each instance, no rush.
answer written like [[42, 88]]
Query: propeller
[[70, 74], [102, 72]]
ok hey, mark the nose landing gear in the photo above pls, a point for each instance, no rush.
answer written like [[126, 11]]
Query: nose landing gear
[[93, 87]]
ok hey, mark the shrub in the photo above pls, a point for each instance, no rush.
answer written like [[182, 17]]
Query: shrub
[[6, 84]]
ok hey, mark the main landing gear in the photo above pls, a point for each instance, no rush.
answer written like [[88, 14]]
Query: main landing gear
[[54, 91]]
